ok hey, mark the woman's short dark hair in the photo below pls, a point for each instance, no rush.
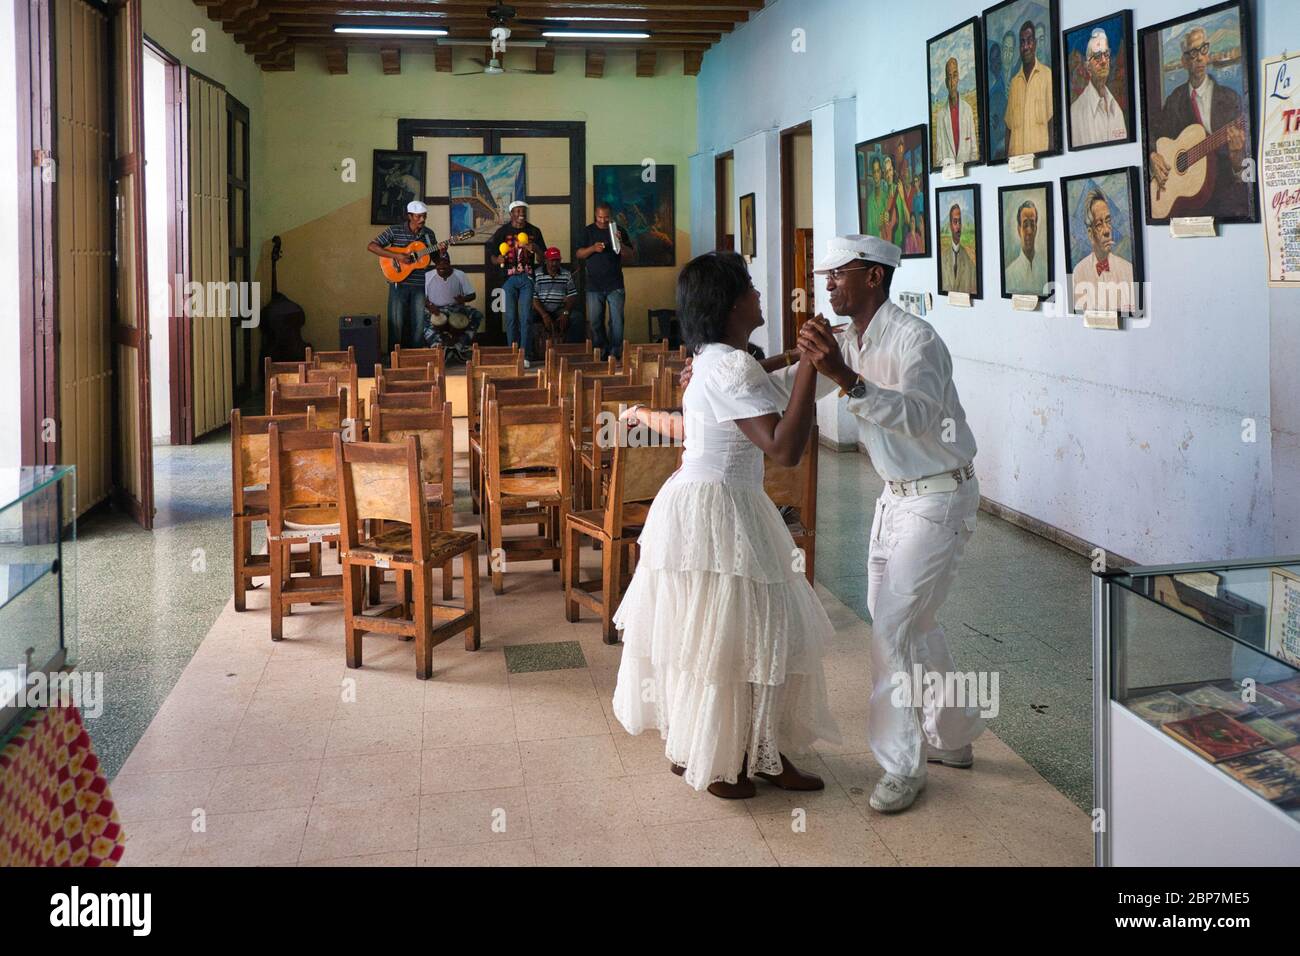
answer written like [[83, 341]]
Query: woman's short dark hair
[[708, 288]]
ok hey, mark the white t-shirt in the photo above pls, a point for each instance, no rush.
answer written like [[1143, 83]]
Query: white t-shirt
[[731, 385], [442, 292]]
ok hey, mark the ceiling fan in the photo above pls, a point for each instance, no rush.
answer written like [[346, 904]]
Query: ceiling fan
[[500, 14]]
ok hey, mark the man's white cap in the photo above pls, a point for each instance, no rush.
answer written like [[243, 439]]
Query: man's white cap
[[416, 208], [517, 204], [842, 250]]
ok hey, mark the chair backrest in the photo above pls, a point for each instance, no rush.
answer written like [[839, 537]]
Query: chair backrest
[[427, 399], [528, 436], [338, 359], [488, 354], [272, 372], [433, 428], [318, 389], [331, 411], [346, 375], [515, 396], [428, 372], [795, 486], [414, 358], [562, 382], [670, 387], [380, 481], [249, 457], [477, 372], [581, 350], [584, 384], [637, 474], [302, 472], [610, 400]]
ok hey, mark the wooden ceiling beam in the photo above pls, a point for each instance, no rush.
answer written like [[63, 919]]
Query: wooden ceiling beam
[[391, 58], [442, 59], [595, 63], [645, 62], [545, 61], [691, 60], [336, 59]]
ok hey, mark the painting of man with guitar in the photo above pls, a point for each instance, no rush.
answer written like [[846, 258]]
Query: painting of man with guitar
[[1198, 133]]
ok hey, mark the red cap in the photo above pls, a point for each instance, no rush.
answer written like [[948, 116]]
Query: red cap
[[553, 253]]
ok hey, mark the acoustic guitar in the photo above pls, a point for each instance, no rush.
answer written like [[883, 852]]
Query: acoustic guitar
[[1191, 168], [395, 271]]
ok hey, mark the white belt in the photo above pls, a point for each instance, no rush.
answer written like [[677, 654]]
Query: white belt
[[933, 484]]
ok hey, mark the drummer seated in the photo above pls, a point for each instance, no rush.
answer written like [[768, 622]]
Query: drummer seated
[[555, 305], [450, 320]]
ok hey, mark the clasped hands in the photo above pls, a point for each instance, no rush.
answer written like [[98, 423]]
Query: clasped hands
[[817, 344]]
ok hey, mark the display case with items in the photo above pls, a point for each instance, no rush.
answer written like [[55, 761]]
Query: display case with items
[[38, 546], [1197, 714]]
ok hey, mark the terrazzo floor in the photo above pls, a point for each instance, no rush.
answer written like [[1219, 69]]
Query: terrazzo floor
[[496, 761]]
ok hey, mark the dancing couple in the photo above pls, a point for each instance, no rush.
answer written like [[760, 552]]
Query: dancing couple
[[723, 635]]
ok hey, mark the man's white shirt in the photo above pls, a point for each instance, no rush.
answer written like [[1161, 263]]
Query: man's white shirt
[[442, 292], [1027, 278], [911, 405], [1096, 118], [1114, 293], [964, 151], [1204, 97]]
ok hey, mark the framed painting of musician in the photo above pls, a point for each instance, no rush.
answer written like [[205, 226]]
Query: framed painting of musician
[[397, 178], [893, 182], [643, 204], [1197, 104]]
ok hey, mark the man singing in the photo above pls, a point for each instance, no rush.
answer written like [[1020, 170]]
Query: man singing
[[517, 261], [406, 298], [897, 374]]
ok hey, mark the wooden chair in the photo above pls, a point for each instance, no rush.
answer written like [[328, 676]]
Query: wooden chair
[[303, 509], [636, 477], [427, 399], [515, 392], [345, 375], [386, 386], [250, 472], [383, 483], [286, 372], [527, 466], [561, 384], [340, 359], [428, 372], [486, 354], [434, 430], [510, 365], [644, 361], [584, 384], [325, 389], [607, 403], [797, 488], [416, 358], [670, 385], [331, 411], [579, 350]]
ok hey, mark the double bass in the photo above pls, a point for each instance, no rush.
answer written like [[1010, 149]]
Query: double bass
[[282, 320]]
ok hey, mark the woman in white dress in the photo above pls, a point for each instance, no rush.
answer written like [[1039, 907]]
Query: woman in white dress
[[723, 635]]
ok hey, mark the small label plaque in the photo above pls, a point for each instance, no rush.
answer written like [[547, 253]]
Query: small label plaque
[[1024, 303], [959, 299], [954, 170], [1192, 227], [1100, 319], [1022, 163]]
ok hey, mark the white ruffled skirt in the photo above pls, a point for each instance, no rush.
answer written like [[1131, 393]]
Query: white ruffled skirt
[[723, 635]]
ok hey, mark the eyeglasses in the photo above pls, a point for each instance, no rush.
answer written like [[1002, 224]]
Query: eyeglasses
[[1099, 55], [838, 274], [1202, 50], [1098, 223]]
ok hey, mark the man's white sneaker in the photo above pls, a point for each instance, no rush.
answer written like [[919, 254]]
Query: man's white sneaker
[[895, 793], [963, 758], [528, 363]]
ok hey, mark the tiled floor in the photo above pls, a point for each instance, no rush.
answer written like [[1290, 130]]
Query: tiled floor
[[278, 754]]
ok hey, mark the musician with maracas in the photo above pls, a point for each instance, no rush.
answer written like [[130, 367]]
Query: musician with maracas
[[516, 248], [406, 298]]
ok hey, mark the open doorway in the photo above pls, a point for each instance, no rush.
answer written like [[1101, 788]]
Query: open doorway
[[796, 230], [724, 177], [165, 226]]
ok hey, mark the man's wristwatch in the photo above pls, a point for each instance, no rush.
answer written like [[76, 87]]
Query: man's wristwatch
[[857, 391]]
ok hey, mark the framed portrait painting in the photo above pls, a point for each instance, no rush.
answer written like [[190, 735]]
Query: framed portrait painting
[[1198, 104], [955, 70], [647, 210], [748, 233], [957, 240], [480, 189], [1025, 240], [1022, 81], [1101, 217], [1099, 81], [397, 178], [893, 182]]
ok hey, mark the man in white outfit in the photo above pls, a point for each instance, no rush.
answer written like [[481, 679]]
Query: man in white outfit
[[897, 375], [956, 140], [1095, 116]]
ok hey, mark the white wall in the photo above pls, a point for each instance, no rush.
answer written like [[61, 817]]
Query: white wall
[[1131, 440], [10, 377]]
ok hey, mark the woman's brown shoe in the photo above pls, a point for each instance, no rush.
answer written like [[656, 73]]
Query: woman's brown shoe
[[742, 789], [678, 769], [792, 778]]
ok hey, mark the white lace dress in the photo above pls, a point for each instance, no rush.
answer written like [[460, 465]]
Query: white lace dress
[[723, 635]]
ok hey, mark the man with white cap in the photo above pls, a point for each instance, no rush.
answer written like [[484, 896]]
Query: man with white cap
[[406, 298], [517, 247], [897, 375]]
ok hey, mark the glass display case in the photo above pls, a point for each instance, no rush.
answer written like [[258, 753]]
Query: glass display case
[[38, 547], [1197, 714]]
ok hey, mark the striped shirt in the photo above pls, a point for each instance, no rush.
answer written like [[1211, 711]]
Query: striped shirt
[[552, 290], [400, 235]]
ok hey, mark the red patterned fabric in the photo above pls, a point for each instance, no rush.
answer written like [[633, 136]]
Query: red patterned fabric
[[55, 805]]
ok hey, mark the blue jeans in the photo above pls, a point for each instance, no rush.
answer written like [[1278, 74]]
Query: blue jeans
[[611, 342], [405, 315], [519, 309]]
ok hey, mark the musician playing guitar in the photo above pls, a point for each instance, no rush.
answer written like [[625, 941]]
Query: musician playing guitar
[[1201, 101], [406, 298]]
